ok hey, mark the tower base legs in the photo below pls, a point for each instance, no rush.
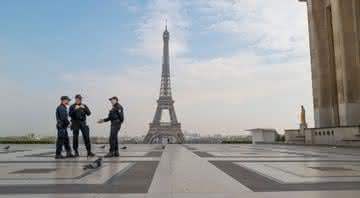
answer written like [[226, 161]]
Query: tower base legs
[[164, 135]]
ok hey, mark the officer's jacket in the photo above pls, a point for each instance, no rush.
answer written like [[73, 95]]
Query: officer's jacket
[[62, 117], [79, 114], [116, 114]]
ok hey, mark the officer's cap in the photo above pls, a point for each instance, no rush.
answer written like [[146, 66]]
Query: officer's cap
[[78, 96], [114, 97], [65, 98]]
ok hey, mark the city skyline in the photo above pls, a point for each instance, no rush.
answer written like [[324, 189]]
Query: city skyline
[[232, 70]]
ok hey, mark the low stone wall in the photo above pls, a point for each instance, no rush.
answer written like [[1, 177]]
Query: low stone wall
[[347, 136], [294, 136]]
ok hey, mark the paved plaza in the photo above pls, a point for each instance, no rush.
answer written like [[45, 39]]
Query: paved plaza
[[178, 171]]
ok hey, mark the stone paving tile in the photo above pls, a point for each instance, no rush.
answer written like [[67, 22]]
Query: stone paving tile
[[181, 171], [312, 194], [208, 170], [50, 196], [121, 196], [215, 195]]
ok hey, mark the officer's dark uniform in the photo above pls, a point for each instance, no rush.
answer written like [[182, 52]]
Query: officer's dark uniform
[[62, 134], [116, 117], [78, 122]]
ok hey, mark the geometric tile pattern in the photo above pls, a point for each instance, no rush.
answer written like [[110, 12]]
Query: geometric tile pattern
[[331, 169], [304, 172], [286, 168], [34, 171], [208, 170]]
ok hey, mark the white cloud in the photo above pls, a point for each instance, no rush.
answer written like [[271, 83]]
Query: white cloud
[[272, 25], [218, 94], [222, 94], [152, 25], [240, 91]]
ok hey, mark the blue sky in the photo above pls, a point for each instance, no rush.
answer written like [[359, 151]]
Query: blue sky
[[72, 36], [242, 60], [52, 37]]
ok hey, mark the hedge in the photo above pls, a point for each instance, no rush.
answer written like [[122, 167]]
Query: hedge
[[27, 141], [236, 142]]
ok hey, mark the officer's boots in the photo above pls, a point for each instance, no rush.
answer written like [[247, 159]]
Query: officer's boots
[[69, 155], [109, 155], [91, 154], [59, 157]]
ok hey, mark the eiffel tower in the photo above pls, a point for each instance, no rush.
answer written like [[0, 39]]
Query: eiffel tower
[[160, 131]]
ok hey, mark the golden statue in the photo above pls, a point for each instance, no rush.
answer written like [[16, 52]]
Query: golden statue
[[302, 115], [303, 124]]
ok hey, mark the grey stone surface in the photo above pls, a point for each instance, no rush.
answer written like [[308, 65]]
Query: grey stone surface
[[185, 171]]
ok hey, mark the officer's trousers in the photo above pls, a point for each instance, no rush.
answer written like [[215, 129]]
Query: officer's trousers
[[77, 126], [113, 140], [62, 140]]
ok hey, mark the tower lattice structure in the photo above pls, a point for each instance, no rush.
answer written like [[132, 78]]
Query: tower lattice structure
[[159, 130]]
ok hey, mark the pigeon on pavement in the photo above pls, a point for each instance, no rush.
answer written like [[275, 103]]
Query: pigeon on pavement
[[94, 165]]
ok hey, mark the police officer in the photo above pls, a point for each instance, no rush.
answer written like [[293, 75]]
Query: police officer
[[78, 112], [116, 117], [62, 123]]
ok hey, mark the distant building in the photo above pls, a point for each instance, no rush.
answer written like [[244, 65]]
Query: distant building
[[260, 135], [191, 136]]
